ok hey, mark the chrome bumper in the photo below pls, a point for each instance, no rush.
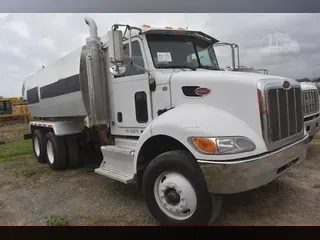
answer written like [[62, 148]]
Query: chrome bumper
[[312, 126], [243, 175]]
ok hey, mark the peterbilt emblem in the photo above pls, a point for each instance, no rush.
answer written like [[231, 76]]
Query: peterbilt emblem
[[202, 91], [286, 85]]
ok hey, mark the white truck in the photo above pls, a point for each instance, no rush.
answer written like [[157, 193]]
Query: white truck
[[167, 119], [310, 92]]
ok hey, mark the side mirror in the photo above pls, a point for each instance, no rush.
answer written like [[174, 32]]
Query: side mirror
[[115, 42], [116, 52]]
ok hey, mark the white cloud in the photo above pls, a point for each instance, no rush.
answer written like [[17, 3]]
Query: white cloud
[[47, 43], [14, 51], [19, 27]]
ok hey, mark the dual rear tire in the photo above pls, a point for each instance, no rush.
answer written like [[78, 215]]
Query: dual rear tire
[[60, 153]]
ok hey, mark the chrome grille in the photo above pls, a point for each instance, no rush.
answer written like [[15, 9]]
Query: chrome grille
[[284, 113], [310, 102]]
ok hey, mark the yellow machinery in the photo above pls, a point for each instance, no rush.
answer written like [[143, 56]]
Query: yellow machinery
[[13, 110]]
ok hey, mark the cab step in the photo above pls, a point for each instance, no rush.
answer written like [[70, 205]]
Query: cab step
[[118, 162], [115, 174]]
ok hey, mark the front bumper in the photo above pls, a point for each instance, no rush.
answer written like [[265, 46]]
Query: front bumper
[[312, 126], [239, 176]]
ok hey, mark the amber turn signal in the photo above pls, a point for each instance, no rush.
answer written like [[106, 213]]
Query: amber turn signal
[[205, 144]]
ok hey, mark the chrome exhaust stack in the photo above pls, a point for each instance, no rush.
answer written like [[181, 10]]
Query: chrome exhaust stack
[[97, 82]]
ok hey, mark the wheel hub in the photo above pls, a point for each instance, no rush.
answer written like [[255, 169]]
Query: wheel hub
[[172, 196], [175, 195]]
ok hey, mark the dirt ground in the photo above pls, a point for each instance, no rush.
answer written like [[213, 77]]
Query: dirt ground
[[31, 193]]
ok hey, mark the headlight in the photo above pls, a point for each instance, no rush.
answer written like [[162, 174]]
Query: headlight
[[222, 145]]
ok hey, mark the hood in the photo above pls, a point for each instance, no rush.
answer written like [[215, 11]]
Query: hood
[[237, 87], [231, 92], [243, 78]]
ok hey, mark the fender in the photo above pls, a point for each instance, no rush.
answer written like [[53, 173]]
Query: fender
[[189, 120]]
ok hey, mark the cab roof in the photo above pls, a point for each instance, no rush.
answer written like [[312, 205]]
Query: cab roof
[[196, 34]]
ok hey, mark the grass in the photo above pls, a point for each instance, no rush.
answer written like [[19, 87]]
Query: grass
[[56, 221], [13, 150]]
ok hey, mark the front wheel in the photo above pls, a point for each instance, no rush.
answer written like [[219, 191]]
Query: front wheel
[[176, 192]]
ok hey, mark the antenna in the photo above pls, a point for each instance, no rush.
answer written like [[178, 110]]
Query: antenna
[[185, 20]]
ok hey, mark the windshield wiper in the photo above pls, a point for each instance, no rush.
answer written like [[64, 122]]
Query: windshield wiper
[[177, 66]]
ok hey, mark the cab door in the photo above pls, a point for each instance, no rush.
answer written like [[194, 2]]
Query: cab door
[[131, 94]]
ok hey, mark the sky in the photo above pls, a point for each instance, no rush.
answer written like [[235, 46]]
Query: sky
[[28, 41]]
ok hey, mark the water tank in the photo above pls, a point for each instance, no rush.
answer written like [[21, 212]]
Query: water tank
[[55, 91], [67, 89]]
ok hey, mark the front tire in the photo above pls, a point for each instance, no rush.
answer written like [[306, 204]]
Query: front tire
[[175, 190], [56, 152]]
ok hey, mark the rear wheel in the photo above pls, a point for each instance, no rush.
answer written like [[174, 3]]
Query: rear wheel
[[56, 152], [39, 145], [176, 192], [73, 149]]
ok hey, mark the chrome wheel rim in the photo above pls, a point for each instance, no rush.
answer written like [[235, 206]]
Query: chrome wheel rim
[[50, 152], [36, 146]]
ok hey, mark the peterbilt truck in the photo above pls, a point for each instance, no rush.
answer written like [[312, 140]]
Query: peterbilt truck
[[310, 92], [163, 115]]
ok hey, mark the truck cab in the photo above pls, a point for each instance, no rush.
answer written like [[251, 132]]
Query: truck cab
[[165, 117]]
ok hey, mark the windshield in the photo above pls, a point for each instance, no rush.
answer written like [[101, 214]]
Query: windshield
[[172, 51]]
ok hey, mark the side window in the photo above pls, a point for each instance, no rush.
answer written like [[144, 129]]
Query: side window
[[205, 59], [140, 99], [2, 107], [5, 107], [136, 57]]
